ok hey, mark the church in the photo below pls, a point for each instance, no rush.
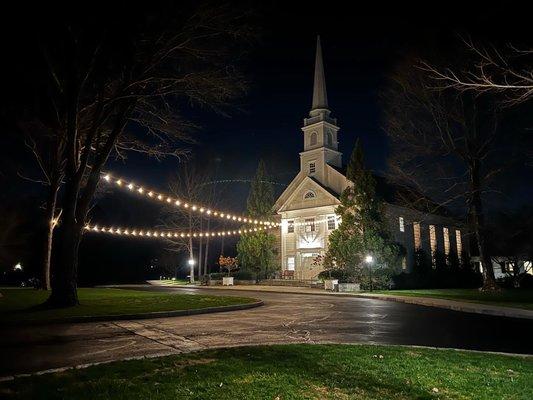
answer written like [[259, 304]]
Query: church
[[307, 206]]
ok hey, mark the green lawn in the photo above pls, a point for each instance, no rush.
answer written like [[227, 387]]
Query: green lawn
[[293, 372], [25, 304], [507, 298]]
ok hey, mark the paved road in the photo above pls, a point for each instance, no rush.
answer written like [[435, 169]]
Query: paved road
[[285, 318]]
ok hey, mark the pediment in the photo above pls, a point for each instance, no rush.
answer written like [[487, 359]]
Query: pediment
[[307, 193]]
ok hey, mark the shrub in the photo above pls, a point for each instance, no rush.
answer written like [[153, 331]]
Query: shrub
[[439, 278]]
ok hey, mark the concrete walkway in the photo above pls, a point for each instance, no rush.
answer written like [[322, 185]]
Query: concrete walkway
[[463, 306]]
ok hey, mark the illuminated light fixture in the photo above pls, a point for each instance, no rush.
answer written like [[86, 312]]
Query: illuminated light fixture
[[169, 199], [208, 212], [119, 182], [107, 177], [193, 208], [202, 209], [159, 197], [130, 186], [228, 216], [215, 213], [186, 205], [221, 215], [150, 194], [182, 235], [177, 202]]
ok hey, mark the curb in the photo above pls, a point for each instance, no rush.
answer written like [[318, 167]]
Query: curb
[[8, 378], [150, 315]]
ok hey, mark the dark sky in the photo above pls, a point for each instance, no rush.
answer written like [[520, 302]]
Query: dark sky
[[360, 47]]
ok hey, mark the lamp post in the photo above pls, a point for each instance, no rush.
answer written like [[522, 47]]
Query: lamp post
[[369, 260], [191, 269]]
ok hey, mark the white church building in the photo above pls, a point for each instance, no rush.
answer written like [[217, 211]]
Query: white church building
[[307, 206]]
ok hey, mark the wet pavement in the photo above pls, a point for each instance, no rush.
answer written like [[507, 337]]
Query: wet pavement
[[285, 318]]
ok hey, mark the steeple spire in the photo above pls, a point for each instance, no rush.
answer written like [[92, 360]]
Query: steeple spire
[[320, 97]]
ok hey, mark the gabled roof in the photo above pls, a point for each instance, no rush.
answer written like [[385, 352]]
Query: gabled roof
[[288, 195]]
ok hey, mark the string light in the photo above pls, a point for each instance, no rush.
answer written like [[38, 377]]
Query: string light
[[180, 203], [168, 234]]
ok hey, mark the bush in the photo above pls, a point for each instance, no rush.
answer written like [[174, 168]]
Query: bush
[[439, 278], [245, 275]]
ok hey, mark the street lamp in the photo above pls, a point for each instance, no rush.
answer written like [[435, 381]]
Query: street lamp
[[369, 260], [191, 269]]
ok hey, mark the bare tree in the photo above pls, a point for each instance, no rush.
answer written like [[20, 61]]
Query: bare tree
[[444, 148], [118, 87], [47, 144], [508, 72], [191, 185]]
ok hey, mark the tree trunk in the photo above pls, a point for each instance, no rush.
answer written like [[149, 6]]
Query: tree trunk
[[65, 272], [191, 255], [47, 244], [478, 227], [207, 247], [200, 251]]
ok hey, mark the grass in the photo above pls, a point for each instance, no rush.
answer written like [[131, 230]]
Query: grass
[[293, 372], [506, 298], [26, 304]]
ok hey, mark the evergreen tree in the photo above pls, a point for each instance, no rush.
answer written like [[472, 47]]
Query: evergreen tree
[[362, 231], [256, 251]]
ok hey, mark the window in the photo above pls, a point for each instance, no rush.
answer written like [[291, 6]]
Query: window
[[433, 244], [446, 234], [290, 226], [402, 226], [459, 243], [416, 235], [290, 263], [309, 224], [312, 140], [331, 222], [309, 195], [404, 263], [329, 139], [312, 168]]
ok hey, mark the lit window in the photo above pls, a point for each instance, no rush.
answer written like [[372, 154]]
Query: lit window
[[416, 235], [446, 234], [331, 222], [402, 226], [433, 243], [290, 226], [312, 168], [290, 263], [313, 139], [310, 225], [459, 243], [309, 195], [404, 263]]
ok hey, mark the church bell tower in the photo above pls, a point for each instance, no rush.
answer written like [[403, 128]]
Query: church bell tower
[[320, 129]]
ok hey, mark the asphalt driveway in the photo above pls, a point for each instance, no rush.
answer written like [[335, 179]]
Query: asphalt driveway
[[285, 318]]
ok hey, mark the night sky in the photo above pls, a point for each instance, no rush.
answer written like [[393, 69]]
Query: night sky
[[361, 48]]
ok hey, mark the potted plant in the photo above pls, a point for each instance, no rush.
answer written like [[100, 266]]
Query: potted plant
[[229, 264]]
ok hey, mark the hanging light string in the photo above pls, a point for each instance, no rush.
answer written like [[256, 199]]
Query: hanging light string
[[163, 198], [134, 232]]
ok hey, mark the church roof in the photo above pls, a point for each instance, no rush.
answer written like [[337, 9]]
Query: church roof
[[402, 195]]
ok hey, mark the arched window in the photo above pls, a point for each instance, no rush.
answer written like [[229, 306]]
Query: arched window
[[313, 139], [329, 139], [309, 195]]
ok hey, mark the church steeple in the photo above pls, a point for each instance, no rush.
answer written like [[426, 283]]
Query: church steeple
[[320, 130], [320, 95]]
